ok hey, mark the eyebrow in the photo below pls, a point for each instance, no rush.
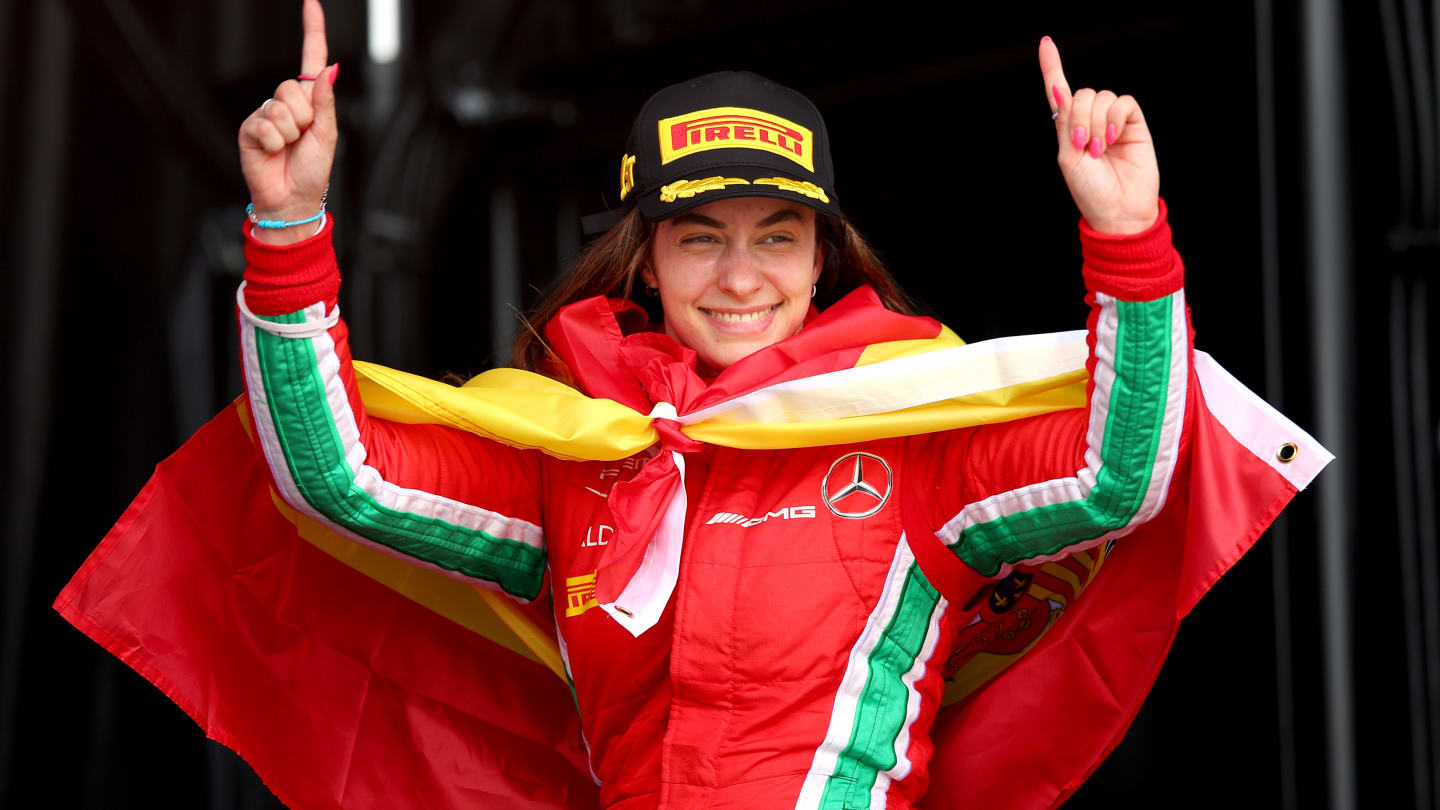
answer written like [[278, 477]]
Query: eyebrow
[[699, 219], [710, 222], [778, 216]]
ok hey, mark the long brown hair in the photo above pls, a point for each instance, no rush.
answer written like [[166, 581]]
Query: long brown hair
[[610, 266]]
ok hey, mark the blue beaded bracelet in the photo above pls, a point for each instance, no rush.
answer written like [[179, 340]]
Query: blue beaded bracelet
[[279, 223]]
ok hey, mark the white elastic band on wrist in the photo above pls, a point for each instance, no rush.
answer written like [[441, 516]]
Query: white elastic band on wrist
[[289, 330]]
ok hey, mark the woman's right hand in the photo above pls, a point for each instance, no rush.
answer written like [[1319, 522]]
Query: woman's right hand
[[287, 146]]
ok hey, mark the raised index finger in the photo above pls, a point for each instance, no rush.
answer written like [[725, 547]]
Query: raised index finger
[[1057, 90], [314, 52]]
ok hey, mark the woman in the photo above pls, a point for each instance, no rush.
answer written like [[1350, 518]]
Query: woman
[[789, 652]]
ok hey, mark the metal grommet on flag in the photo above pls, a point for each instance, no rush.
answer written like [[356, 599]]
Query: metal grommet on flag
[[1287, 452]]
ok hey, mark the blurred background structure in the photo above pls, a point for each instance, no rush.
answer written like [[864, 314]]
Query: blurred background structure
[[1298, 146]]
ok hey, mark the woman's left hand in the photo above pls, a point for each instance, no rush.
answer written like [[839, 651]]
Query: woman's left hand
[[1105, 151]]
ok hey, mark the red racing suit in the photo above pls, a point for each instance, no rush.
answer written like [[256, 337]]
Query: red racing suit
[[800, 660]]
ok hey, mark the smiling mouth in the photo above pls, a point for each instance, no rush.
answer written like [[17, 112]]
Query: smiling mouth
[[739, 317]]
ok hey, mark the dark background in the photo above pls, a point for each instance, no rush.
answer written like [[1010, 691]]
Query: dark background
[[502, 123]]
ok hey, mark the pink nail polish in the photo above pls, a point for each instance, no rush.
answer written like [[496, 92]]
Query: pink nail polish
[[1059, 99], [1095, 147], [1109, 134], [1079, 137], [335, 73], [1045, 38]]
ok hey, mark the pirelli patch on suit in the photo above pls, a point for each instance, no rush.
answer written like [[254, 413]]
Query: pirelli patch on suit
[[735, 128], [580, 594]]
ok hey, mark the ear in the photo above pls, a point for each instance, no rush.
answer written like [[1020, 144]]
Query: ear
[[819, 261], [647, 275]]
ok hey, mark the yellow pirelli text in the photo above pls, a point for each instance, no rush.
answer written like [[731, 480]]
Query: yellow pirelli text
[[735, 128]]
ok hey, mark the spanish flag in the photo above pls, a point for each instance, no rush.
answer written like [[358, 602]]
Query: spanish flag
[[347, 678]]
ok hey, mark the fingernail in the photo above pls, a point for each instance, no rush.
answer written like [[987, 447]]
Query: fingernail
[[1079, 137], [1059, 99], [335, 73], [1095, 147], [1045, 38], [1109, 134]]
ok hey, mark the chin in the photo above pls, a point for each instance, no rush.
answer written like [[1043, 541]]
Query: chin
[[729, 354], [719, 361]]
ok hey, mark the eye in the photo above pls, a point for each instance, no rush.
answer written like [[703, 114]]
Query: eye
[[777, 239], [698, 239]]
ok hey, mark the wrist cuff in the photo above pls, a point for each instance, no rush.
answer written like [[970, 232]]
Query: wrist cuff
[[285, 278], [1133, 267]]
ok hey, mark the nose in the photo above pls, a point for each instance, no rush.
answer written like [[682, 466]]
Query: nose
[[740, 274]]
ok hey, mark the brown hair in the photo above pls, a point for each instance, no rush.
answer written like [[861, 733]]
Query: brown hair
[[610, 266]]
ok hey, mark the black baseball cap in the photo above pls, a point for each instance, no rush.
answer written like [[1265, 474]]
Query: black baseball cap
[[726, 134]]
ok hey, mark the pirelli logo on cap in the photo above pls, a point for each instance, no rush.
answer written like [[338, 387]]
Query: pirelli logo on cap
[[580, 594], [735, 128]]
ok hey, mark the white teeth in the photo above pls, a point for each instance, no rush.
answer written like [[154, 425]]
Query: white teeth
[[735, 317]]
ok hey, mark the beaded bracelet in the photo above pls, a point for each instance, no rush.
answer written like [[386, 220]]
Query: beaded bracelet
[[280, 223]]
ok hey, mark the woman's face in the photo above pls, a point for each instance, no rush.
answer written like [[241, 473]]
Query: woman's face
[[735, 275]]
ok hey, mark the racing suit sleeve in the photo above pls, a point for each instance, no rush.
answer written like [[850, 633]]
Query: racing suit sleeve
[[1041, 488], [440, 497]]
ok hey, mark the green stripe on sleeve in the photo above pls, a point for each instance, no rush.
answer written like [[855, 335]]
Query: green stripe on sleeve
[[1132, 432], [315, 455]]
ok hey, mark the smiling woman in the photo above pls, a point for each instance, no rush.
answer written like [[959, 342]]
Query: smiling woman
[[772, 532], [735, 276]]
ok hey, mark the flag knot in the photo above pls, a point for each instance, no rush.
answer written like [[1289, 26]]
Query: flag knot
[[664, 419]]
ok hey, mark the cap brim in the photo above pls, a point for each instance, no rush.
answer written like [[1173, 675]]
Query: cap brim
[[683, 195]]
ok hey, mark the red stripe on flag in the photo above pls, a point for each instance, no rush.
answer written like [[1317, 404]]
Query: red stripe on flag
[[337, 690]]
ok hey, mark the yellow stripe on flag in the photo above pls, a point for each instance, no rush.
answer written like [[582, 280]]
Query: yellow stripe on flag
[[536, 639], [519, 408], [893, 349], [524, 409]]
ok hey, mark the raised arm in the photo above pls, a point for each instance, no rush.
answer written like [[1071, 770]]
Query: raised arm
[[442, 498], [1044, 487]]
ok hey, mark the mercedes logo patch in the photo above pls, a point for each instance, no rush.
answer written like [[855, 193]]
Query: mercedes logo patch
[[857, 485]]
